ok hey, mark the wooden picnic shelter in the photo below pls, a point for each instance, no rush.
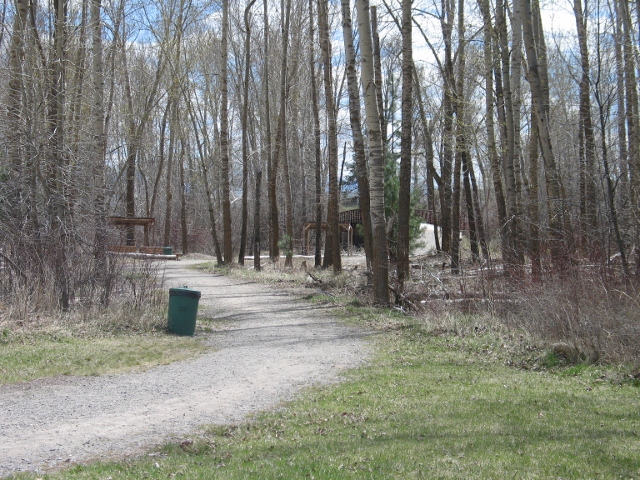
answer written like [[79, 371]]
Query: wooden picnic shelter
[[144, 222]]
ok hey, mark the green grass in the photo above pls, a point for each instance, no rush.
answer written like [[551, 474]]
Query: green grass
[[45, 356], [427, 406]]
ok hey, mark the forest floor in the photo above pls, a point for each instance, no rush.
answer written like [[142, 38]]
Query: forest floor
[[263, 345]]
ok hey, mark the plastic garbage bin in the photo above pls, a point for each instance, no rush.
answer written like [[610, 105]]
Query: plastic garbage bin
[[167, 250], [183, 310]]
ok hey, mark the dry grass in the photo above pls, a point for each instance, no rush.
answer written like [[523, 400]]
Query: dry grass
[[134, 304], [587, 317]]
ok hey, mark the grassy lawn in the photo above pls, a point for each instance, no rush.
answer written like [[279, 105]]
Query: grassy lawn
[[427, 406], [39, 356]]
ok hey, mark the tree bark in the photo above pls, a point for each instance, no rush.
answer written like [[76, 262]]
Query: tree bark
[[256, 222], [588, 215], [272, 170], [356, 129], [556, 221], [332, 247], [227, 247], [376, 156], [488, 37], [404, 195], [245, 113], [316, 143]]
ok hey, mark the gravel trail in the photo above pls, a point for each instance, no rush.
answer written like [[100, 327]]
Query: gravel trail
[[272, 346]]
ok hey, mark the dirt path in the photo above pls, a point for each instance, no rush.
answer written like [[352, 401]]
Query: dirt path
[[272, 346]]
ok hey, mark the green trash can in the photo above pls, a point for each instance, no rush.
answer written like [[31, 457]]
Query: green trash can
[[183, 310], [167, 250]]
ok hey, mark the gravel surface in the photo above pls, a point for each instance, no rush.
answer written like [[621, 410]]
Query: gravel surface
[[270, 346]]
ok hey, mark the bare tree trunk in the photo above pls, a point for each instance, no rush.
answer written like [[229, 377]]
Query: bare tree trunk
[[173, 127], [376, 155], [332, 248], [98, 146], [212, 215], [446, 24], [356, 129], [514, 260], [461, 143], [633, 122], [227, 247], [58, 206], [488, 36], [377, 68], [404, 196], [288, 262], [534, 211], [611, 205], [272, 170], [588, 215], [256, 222], [15, 123], [556, 222], [316, 134], [516, 102], [471, 214], [183, 202], [479, 222], [245, 114], [621, 105], [162, 142]]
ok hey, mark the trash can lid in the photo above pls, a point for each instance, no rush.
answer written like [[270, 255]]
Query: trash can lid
[[184, 292]]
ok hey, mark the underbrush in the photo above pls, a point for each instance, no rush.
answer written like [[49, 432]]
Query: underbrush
[[127, 332], [584, 319], [134, 304]]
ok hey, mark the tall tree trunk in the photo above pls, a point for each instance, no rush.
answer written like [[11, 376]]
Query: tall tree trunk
[[184, 229], [376, 156], [161, 155], [446, 163], [173, 131], [245, 114], [611, 205], [58, 206], [356, 129], [516, 102], [488, 36], [536, 82], [272, 171], [534, 211], [377, 68], [621, 106], [316, 137], [288, 262], [332, 247], [514, 259], [479, 222], [588, 215], [98, 147], [256, 222], [227, 247], [469, 201], [461, 143], [633, 121], [404, 195], [15, 122]]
